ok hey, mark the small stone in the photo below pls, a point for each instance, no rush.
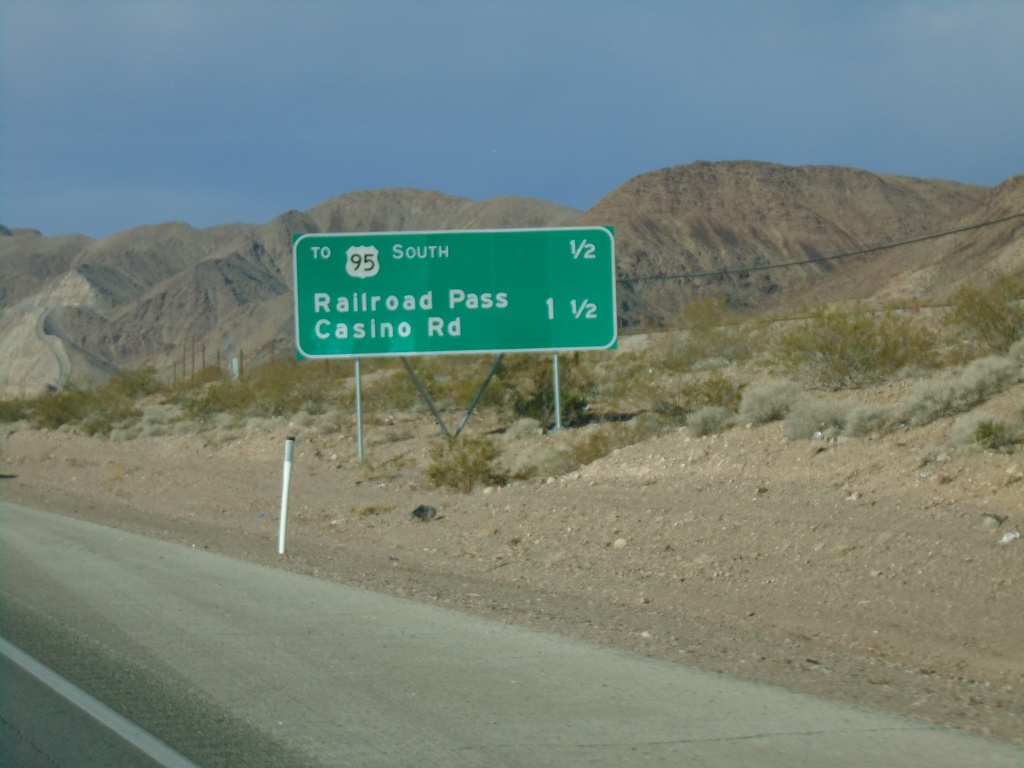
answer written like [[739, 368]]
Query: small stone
[[990, 522], [619, 544], [424, 513]]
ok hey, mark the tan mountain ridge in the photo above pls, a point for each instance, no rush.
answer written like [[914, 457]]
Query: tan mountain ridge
[[73, 308], [737, 218]]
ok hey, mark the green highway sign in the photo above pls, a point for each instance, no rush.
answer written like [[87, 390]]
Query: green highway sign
[[412, 293]]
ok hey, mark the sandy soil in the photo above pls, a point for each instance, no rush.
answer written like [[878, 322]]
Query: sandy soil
[[869, 571]]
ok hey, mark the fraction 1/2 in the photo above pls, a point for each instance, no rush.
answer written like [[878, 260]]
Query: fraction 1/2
[[581, 310], [584, 249]]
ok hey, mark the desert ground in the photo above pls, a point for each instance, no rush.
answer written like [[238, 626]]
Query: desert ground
[[884, 571]]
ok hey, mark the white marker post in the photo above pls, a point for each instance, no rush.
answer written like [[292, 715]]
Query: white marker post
[[289, 453]]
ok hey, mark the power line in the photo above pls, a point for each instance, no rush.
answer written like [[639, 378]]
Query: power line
[[861, 252]]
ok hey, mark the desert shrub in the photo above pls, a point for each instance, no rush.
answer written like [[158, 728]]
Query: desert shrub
[[628, 374], [572, 449], [708, 420], [957, 393], [96, 411], [207, 374], [13, 410], [838, 349], [524, 428], [451, 382], [529, 384], [865, 420], [993, 315], [811, 417], [396, 390], [288, 385], [983, 430], [1016, 352], [228, 396], [593, 446], [767, 401], [547, 459], [464, 462], [676, 400], [462, 380], [135, 383], [162, 413], [712, 335], [55, 409], [278, 389], [600, 440], [105, 413]]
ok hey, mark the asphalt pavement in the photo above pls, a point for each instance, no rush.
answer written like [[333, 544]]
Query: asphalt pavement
[[232, 663]]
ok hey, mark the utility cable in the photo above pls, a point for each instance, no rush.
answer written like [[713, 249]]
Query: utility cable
[[861, 252]]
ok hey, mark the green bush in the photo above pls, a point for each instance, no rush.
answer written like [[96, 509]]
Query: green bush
[[767, 401], [462, 379], [464, 462], [107, 413], [13, 410], [993, 315], [677, 400], [838, 349], [135, 383], [55, 409], [996, 434], [395, 390], [226, 396], [983, 430], [529, 382], [279, 389], [96, 411]]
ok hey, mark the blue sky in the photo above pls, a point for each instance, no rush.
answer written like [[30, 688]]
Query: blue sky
[[115, 114]]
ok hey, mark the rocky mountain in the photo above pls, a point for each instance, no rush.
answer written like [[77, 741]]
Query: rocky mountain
[[76, 308], [173, 296], [733, 219]]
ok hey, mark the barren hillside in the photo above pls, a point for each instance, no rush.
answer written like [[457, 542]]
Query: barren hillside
[[72, 307], [743, 216], [975, 254], [174, 296]]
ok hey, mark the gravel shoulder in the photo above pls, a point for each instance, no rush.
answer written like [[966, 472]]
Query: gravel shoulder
[[869, 571]]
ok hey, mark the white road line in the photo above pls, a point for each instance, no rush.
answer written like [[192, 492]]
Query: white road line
[[96, 709]]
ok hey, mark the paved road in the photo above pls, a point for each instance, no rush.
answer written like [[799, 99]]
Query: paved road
[[47, 723], [232, 663]]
